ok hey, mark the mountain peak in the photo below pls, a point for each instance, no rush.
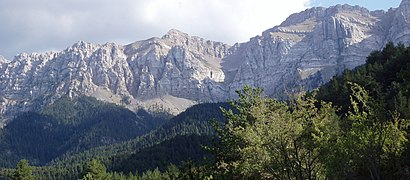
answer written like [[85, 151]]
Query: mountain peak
[[83, 46], [80, 44], [2, 59], [404, 3], [175, 33], [320, 12], [401, 23], [404, 10]]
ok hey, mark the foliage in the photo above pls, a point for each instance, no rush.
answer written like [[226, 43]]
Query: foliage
[[271, 139], [178, 139], [369, 143], [95, 170], [68, 126], [385, 77], [384, 111], [23, 171], [174, 151]]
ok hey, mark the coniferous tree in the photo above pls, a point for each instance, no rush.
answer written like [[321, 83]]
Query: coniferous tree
[[95, 170], [23, 171]]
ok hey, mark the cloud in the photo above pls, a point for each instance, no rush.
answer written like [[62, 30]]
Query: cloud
[[42, 25]]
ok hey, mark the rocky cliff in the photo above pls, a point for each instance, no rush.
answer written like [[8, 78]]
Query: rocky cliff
[[316, 43], [171, 72], [178, 70]]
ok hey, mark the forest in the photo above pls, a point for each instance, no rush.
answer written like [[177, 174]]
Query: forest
[[356, 126]]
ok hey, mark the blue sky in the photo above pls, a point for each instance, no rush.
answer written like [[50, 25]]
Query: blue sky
[[369, 4], [52, 25]]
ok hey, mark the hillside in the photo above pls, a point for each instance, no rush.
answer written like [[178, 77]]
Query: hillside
[[70, 125]]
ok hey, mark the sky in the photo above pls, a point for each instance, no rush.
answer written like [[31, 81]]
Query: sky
[[53, 25]]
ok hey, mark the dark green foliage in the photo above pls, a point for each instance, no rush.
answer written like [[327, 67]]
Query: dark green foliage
[[302, 139], [153, 121], [190, 129], [159, 111], [370, 147], [385, 77], [198, 114], [32, 136], [69, 125], [173, 151], [269, 139]]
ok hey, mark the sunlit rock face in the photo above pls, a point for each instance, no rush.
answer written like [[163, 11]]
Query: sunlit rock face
[[177, 70], [312, 46], [176, 67]]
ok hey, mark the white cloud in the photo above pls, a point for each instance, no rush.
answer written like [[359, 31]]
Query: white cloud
[[225, 20], [50, 24]]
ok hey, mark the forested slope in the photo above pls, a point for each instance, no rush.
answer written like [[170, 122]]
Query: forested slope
[[69, 125]]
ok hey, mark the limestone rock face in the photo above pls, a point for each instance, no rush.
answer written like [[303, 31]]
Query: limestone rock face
[[400, 26], [178, 70], [176, 65], [317, 43]]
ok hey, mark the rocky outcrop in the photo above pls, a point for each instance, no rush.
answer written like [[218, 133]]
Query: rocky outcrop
[[178, 70], [176, 65], [400, 27], [318, 42]]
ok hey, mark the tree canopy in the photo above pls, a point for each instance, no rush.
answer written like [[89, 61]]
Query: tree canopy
[[23, 171]]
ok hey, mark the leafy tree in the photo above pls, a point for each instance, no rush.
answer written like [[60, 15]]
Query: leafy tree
[[382, 118], [369, 143], [271, 139], [23, 171]]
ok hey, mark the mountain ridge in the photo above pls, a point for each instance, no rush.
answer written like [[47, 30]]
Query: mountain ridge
[[177, 70]]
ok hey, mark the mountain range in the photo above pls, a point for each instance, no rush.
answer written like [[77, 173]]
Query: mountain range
[[177, 70]]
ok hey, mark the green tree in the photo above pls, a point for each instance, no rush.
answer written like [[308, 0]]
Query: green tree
[[385, 116], [172, 172], [152, 175], [268, 139], [23, 171], [370, 143], [95, 170]]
